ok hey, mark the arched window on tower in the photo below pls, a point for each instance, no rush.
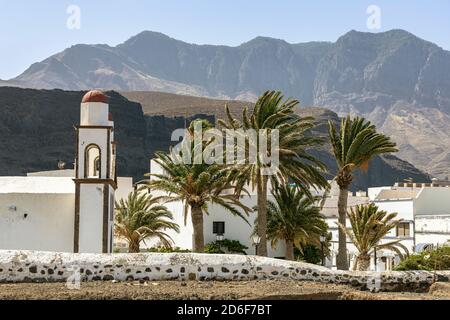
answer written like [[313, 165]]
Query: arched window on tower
[[92, 161]]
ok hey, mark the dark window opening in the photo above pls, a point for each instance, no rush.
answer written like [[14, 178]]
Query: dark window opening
[[219, 227], [92, 161], [403, 229]]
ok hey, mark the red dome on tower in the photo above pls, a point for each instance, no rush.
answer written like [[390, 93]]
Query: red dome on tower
[[95, 96]]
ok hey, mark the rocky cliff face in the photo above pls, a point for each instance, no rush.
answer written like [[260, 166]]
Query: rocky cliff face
[[36, 130], [398, 81]]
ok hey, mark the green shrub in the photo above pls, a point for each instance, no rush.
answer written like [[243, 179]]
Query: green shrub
[[231, 246], [311, 254], [163, 249], [437, 259], [213, 247]]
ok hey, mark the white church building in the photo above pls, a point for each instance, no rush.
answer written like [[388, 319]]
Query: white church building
[[68, 210]]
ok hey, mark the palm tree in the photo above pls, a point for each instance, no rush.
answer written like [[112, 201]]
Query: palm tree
[[140, 217], [198, 186], [368, 227], [272, 113], [356, 143], [294, 218]]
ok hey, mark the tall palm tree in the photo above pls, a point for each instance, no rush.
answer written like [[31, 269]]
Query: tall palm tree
[[197, 186], [354, 145], [294, 218], [368, 227], [295, 163], [140, 217]]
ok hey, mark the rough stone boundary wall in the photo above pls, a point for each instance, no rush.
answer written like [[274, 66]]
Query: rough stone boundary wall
[[34, 266]]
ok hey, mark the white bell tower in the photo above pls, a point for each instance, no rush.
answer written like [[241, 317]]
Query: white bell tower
[[95, 176]]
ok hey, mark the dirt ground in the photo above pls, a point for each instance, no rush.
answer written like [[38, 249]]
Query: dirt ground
[[193, 290]]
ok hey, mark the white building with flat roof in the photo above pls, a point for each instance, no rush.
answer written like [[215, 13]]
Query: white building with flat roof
[[68, 210], [424, 208]]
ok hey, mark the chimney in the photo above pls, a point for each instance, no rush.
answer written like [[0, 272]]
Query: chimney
[[61, 164]]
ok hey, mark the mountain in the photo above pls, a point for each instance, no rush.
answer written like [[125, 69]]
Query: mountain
[[36, 130], [399, 82], [393, 78], [384, 170], [152, 61]]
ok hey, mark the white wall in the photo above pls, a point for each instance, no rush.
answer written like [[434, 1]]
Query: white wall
[[237, 229], [26, 266], [182, 239], [48, 226], [404, 208], [433, 229], [94, 113], [91, 218], [124, 188], [405, 211]]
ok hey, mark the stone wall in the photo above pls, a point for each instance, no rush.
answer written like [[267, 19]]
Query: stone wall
[[28, 266]]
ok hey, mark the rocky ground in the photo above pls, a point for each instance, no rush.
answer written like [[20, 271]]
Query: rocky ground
[[164, 290]]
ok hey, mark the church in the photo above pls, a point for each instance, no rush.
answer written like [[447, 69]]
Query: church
[[68, 210]]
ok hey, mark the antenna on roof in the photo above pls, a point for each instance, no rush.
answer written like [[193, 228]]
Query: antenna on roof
[[61, 164]]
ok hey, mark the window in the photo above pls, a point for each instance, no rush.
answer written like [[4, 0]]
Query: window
[[92, 161], [96, 166], [403, 229], [219, 227]]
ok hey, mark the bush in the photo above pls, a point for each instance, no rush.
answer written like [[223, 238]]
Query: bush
[[213, 247], [438, 259], [231, 246], [163, 249], [311, 254]]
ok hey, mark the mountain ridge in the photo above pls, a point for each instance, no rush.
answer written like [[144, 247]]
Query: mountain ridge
[[395, 79], [36, 130]]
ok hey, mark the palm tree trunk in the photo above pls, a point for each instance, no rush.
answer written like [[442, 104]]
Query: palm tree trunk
[[133, 247], [363, 262], [197, 224], [289, 255], [341, 258], [262, 214]]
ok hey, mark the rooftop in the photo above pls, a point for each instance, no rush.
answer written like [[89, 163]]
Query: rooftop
[[95, 96], [330, 208], [36, 184], [397, 194], [53, 173]]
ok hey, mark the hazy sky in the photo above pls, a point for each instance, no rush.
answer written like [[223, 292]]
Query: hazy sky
[[31, 31]]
